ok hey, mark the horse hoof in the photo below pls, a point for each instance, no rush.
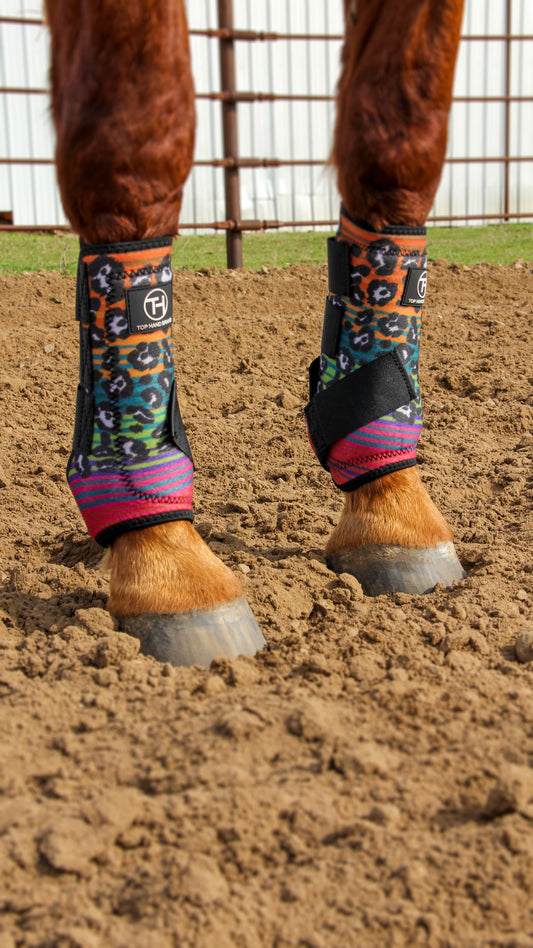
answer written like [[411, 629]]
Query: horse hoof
[[197, 637], [382, 569]]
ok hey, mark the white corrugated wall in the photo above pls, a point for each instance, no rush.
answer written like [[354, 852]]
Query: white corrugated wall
[[27, 191], [285, 130]]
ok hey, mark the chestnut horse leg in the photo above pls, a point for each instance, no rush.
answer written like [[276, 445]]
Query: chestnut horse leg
[[123, 107], [389, 147]]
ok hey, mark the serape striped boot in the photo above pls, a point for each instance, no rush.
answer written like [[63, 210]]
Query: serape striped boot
[[365, 411], [131, 464]]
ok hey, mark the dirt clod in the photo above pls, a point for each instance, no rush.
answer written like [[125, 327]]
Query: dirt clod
[[524, 647], [511, 792]]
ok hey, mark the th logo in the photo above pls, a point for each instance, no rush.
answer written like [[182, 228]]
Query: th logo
[[156, 305]]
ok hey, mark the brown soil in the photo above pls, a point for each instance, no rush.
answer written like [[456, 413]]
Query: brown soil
[[368, 779]]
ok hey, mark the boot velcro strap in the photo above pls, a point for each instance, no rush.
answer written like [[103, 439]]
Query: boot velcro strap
[[338, 267], [368, 393], [333, 313], [177, 428]]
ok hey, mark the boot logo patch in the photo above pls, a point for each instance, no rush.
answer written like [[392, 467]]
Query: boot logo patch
[[156, 305], [149, 308], [414, 292]]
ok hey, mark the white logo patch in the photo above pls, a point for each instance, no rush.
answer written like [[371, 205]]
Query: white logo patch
[[156, 305], [422, 285]]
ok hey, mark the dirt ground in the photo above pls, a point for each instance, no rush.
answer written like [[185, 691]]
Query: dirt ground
[[367, 780]]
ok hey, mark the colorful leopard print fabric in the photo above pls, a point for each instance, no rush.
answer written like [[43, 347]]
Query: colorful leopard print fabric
[[381, 312], [131, 464]]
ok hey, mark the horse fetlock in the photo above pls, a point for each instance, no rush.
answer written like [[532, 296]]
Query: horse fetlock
[[170, 591], [395, 510], [391, 536], [167, 568]]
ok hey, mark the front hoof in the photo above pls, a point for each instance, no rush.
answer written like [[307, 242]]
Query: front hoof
[[383, 569], [199, 636]]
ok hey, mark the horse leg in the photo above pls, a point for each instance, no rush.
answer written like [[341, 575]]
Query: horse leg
[[123, 107], [365, 412]]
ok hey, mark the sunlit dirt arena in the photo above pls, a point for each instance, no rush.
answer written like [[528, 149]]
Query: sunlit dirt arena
[[365, 781]]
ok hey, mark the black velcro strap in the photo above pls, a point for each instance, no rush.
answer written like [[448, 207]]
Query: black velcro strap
[[338, 267], [370, 392], [333, 314], [314, 378], [177, 429], [83, 425]]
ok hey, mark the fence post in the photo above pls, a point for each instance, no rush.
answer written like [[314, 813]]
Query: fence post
[[507, 133], [230, 134]]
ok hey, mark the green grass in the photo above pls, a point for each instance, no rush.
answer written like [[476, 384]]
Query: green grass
[[499, 243]]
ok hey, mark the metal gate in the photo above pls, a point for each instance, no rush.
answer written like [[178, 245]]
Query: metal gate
[[265, 99]]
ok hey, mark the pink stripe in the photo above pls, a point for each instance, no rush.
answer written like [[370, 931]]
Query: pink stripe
[[388, 426], [377, 460], [348, 457], [349, 474], [346, 473], [119, 500], [95, 485], [98, 519], [345, 451], [118, 497], [170, 474], [118, 492], [376, 441]]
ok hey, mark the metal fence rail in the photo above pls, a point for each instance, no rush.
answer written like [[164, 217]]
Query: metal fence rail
[[514, 197]]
